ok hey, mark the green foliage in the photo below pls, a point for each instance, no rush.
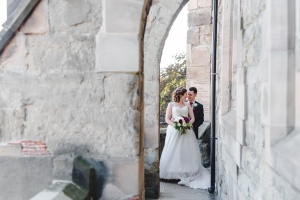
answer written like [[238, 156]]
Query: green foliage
[[171, 77]]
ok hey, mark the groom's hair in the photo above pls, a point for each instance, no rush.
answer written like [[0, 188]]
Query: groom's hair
[[193, 89]]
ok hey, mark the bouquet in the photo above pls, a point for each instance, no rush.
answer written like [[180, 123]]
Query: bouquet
[[181, 124]]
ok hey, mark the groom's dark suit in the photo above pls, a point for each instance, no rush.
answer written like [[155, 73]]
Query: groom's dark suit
[[199, 117]]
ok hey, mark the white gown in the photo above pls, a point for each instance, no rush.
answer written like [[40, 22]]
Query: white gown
[[180, 158]]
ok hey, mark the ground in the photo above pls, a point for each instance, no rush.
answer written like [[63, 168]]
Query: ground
[[173, 191]]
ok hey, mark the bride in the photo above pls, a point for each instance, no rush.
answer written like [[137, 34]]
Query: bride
[[180, 158]]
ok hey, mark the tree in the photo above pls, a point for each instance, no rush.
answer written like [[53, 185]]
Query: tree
[[171, 77]]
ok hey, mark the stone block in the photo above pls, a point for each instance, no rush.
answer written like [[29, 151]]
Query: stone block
[[27, 175], [284, 162], [117, 53], [75, 12], [60, 190], [229, 121], [193, 35], [241, 101], [201, 73], [238, 153], [281, 93], [188, 55], [264, 103], [241, 75], [10, 150], [231, 167], [38, 21], [204, 3], [205, 39], [297, 107], [201, 56], [281, 19], [151, 136], [240, 130], [200, 17], [192, 4], [122, 16]]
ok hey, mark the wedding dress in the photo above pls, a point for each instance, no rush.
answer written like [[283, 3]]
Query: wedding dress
[[180, 158]]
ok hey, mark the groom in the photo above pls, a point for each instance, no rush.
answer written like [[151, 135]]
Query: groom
[[197, 109]]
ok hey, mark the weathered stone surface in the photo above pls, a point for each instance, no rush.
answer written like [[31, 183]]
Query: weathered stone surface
[[63, 166], [38, 22], [75, 17], [193, 35], [192, 4], [204, 3], [120, 46], [27, 175], [200, 17], [205, 35], [62, 191], [9, 150], [152, 171], [122, 16], [201, 56]]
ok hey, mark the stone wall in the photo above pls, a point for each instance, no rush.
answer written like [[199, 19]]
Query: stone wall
[[257, 100], [70, 78], [198, 54]]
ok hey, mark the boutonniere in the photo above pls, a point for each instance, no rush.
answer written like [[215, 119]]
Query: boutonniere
[[195, 105]]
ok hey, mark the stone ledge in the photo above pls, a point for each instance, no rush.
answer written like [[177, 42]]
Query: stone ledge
[[62, 190]]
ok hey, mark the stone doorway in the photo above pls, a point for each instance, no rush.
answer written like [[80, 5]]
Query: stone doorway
[[159, 21], [161, 16]]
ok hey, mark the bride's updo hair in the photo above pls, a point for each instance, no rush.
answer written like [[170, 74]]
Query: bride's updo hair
[[177, 93]]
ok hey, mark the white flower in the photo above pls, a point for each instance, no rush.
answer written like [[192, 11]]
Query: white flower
[[195, 105]]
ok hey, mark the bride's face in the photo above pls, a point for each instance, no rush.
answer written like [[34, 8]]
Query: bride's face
[[183, 97]]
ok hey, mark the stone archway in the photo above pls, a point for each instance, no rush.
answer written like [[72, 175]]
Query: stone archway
[[159, 21]]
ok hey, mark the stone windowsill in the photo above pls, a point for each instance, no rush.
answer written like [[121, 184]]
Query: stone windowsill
[[284, 159]]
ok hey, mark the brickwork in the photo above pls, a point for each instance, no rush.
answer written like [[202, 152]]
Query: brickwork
[[29, 148]]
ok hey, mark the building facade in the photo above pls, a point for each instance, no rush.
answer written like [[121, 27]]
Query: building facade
[[82, 78]]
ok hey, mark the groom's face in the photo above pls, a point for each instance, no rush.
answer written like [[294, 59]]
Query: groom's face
[[191, 96]]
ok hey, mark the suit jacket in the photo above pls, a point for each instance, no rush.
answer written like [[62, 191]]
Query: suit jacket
[[199, 115]]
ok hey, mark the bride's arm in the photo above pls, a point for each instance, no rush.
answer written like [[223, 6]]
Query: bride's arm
[[191, 114], [169, 114]]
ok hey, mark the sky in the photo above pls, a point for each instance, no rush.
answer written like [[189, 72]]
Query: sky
[[176, 41]]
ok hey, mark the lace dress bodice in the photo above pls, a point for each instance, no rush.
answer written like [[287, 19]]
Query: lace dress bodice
[[178, 111]]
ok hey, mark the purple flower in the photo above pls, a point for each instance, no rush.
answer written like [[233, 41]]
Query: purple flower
[[186, 119]]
